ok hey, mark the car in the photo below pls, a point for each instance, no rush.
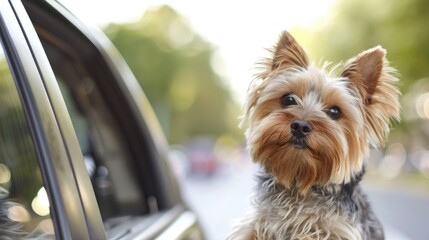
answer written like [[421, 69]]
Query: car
[[82, 155], [201, 157]]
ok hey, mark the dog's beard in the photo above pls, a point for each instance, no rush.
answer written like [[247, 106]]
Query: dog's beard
[[299, 162]]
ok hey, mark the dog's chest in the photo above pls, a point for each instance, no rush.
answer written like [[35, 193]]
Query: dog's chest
[[289, 216], [311, 218]]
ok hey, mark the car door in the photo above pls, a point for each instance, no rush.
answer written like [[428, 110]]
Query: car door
[[116, 151], [51, 146]]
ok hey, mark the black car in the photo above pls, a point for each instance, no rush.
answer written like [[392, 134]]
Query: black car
[[82, 155]]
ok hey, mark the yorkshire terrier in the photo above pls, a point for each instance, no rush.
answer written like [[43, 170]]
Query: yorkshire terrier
[[310, 130]]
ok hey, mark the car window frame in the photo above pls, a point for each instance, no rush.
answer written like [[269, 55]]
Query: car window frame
[[55, 143], [174, 217], [147, 129]]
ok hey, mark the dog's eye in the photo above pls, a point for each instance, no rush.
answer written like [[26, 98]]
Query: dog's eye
[[334, 112], [288, 100]]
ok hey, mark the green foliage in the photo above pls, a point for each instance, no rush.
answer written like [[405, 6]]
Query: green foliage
[[173, 65], [399, 26], [17, 152]]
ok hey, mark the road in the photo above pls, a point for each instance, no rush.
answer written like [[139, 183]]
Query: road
[[224, 198], [402, 211]]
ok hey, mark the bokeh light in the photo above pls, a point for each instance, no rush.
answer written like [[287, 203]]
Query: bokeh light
[[4, 174], [18, 213], [40, 203]]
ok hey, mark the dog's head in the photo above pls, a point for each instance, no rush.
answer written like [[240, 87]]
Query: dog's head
[[308, 126]]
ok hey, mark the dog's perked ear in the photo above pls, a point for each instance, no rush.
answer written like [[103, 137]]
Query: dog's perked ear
[[365, 70], [375, 81], [288, 53]]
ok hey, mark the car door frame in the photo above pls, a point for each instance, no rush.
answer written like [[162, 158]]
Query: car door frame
[[175, 220], [74, 209], [86, 222]]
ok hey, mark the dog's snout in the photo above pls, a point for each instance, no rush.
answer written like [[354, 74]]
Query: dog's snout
[[300, 128]]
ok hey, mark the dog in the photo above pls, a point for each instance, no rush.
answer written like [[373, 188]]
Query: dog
[[310, 130]]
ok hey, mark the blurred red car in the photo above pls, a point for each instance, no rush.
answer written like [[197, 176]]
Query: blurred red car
[[202, 160]]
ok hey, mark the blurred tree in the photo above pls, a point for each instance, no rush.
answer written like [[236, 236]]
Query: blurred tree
[[16, 146], [174, 66], [400, 27]]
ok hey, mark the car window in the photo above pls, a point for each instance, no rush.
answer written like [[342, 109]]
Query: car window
[[107, 159], [24, 204]]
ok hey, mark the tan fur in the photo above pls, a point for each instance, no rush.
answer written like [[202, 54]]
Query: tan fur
[[378, 91], [367, 97]]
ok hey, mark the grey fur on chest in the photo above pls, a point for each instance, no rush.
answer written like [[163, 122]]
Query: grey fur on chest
[[329, 212]]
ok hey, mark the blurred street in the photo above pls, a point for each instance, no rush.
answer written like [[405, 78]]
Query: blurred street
[[224, 197]]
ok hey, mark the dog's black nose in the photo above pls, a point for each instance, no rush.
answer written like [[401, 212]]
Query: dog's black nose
[[300, 128]]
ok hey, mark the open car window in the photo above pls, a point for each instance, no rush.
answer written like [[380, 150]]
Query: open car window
[[109, 164], [123, 149]]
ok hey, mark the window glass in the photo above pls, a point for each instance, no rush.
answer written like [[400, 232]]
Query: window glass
[[24, 204], [108, 161]]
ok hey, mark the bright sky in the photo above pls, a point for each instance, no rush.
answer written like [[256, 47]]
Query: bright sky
[[240, 30]]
